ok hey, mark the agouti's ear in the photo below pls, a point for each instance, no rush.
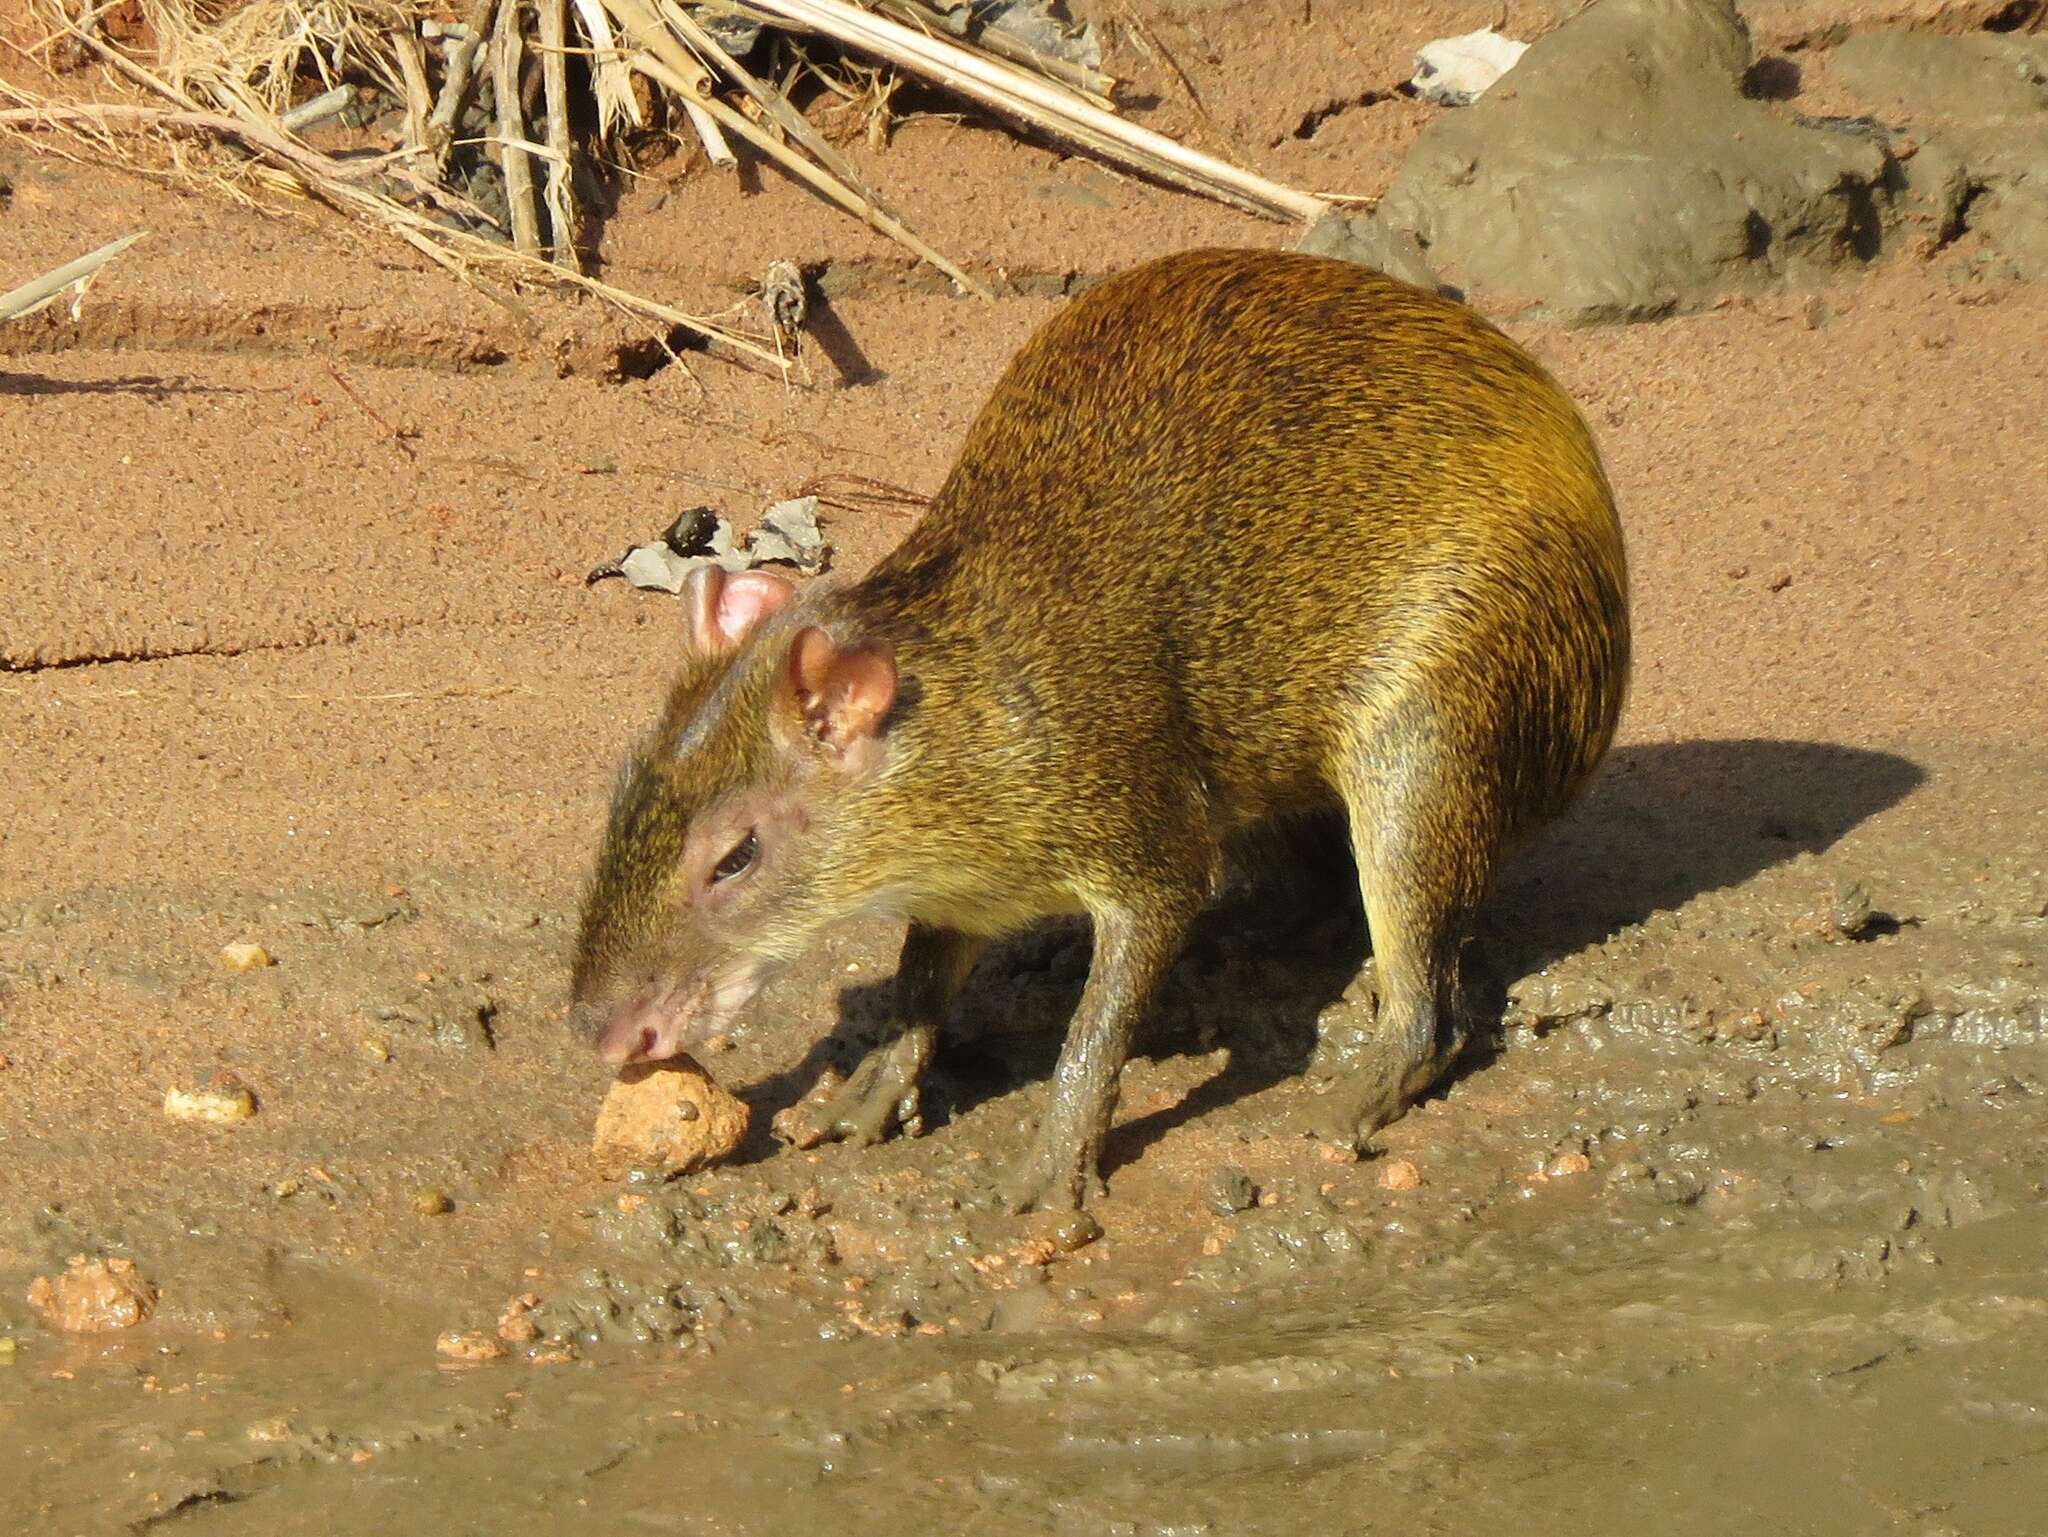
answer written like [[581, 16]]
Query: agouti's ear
[[839, 693], [721, 610]]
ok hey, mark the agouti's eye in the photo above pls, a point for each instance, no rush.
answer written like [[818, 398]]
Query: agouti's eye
[[738, 861]]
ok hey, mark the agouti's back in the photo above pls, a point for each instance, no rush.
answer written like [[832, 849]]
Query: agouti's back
[[1296, 488], [1238, 535]]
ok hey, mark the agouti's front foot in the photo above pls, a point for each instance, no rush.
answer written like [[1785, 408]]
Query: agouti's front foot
[[880, 1097]]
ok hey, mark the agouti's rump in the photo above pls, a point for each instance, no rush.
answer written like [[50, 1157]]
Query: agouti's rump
[[1238, 535]]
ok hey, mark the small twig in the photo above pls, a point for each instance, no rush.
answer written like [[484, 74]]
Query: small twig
[[412, 69], [49, 288], [507, 53], [1155, 47], [319, 109], [716, 150], [560, 196], [845, 489], [397, 435], [455, 86]]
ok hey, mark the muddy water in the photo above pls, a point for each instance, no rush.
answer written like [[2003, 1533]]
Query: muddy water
[[1743, 1217]]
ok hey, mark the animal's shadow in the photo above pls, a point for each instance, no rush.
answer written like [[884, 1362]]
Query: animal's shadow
[[1659, 825], [152, 386]]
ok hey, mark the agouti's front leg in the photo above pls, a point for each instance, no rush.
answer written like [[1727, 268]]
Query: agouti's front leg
[[882, 1094], [1133, 948]]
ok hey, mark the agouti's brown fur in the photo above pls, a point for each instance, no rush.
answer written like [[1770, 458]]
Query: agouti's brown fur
[[1238, 537]]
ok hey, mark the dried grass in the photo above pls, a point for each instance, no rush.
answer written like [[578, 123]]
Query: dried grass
[[563, 94]]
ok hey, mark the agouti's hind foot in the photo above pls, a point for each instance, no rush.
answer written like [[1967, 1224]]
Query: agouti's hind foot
[[1051, 1177], [880, 1097]]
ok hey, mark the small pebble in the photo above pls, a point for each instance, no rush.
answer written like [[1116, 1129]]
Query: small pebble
[[433, 1202], [1067, 1231], [93, 1296], [245, 956], [7, 1349], [1229, 1191], [1565, 1165], [1400, 1174], [470, 1345], [376, 1050], [514, 1327], [221, 1103]]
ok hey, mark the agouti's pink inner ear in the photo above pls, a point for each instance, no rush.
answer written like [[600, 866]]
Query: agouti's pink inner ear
[[841, 693], [722, 610]]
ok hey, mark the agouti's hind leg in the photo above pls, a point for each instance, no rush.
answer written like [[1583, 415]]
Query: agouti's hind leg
[[881, 1095], [1425, 839]]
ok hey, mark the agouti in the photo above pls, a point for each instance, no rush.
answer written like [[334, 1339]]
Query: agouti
[[1239, 538]]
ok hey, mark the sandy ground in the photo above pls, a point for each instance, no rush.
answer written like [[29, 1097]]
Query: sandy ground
[[295, 648]]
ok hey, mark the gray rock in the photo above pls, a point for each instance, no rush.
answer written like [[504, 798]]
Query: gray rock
[[1366, 240], [1619, 173]]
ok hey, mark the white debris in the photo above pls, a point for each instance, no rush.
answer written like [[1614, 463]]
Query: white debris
[[655, 567], [1456, 71], [221, 1103], [789, 532]]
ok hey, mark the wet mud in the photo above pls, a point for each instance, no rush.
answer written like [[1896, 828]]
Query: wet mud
[[1752, 1180]]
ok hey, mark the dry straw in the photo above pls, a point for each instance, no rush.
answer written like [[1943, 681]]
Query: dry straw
[[567, 80]]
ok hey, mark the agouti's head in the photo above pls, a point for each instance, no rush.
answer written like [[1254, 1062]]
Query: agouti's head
[[714, 868]]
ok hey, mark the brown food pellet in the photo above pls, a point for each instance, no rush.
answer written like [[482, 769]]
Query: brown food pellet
[[672, 1115]]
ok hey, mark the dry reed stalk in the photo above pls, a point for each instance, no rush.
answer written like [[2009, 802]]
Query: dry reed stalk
[[1043, 105], [716, 150], [616, 104], [560, 196], [668, 63], [772, 102], [1091, 83], [507, 53]]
